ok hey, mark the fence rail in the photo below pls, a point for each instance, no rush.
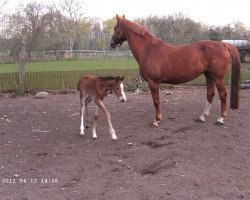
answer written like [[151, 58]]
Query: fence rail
[[60, 80]]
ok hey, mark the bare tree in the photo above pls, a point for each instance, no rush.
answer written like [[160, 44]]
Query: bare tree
[[2, 5], [72, 9]]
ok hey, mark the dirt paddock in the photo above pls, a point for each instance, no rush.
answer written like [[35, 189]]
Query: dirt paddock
[[42, 156]]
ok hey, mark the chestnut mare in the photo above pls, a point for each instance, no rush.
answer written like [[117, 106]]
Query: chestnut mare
[[160, 62], [98, 87]]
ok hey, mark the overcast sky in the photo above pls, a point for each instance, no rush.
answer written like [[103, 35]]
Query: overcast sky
[[210, 12]]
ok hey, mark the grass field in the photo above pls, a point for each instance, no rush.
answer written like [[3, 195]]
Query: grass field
[[64, 74], [72, 65]]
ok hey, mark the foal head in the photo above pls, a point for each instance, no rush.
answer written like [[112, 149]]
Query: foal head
[[118, 88], [119, 36]]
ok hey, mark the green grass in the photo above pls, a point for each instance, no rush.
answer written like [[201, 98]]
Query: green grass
[[64, 74], [72, 65]]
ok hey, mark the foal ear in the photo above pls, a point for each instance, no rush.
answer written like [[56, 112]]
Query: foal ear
[[118, 78]]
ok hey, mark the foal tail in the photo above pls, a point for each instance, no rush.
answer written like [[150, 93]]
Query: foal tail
[[78, 85], [80, 82], [235, 75]]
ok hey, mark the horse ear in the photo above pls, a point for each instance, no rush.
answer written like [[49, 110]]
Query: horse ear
[[119, 17], [122, 78]]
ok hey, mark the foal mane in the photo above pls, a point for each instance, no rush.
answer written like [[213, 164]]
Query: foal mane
[[106, 78]]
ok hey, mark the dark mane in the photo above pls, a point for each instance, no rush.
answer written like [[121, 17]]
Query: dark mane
[[107, 78]]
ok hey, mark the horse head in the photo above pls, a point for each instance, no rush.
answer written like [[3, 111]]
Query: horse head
[[119, 35]]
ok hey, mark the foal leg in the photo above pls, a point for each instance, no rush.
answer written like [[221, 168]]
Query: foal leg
[[210, 96], [108, 118], [88, 99], [223, 98], [155, 92], [82, 113], [95, 122]]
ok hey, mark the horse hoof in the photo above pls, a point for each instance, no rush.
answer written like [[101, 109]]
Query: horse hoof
[[219, 123], [156, 124]]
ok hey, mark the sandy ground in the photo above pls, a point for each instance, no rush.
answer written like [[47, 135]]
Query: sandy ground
[[42, 156]]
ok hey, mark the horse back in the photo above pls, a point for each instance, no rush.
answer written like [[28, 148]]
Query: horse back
[[179, 64]]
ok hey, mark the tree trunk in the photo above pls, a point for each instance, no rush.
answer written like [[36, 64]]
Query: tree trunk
[[22, 62]]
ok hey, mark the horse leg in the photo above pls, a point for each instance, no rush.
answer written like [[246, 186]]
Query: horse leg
[[82, 113], [210, 96], [155, 92], [95, 122], [108, 118], [223, 98]]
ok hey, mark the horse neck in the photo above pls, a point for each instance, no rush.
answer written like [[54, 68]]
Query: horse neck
[[138, 44]]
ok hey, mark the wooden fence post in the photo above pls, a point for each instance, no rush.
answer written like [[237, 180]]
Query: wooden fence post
[[22, 61]]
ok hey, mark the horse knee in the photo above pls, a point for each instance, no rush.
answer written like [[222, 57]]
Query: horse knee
[[210, 97], [223, 96]]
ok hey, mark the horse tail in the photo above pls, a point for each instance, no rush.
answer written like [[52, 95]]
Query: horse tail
[[235, 75]]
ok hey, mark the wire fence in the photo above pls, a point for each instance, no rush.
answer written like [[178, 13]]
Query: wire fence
[[64, 74], [61, 69]]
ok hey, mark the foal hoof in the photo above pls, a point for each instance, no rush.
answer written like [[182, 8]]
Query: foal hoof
[[199, 120], [114, 137], [81, 134]]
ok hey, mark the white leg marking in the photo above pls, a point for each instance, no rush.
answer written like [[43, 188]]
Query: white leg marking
[[207, 108], [123, 97], [94, 134], [205, 112], [108, 118], [95, 123], [220, 120], [82, 121], [113, 135]]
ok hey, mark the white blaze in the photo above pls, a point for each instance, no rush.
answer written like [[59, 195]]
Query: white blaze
[[123, 97]]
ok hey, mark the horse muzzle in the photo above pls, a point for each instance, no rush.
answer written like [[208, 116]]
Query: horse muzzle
[[112, 45]]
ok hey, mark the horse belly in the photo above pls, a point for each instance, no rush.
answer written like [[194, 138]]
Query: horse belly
[[183, 77]]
